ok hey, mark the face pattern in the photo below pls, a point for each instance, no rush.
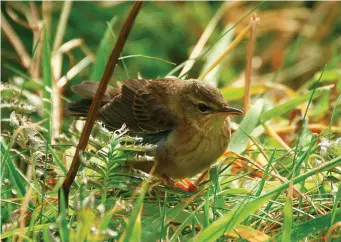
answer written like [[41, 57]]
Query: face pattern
[[200, 101]]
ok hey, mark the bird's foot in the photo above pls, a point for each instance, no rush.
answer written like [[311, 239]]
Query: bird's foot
[[185, 184]]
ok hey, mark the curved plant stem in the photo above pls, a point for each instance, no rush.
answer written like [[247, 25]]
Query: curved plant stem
[[95, 106]]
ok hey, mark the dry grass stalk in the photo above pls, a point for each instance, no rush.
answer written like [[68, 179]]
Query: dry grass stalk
[[273, 173], [15, 42], [56, 110], [330, 11], [250, 49], [315, 128], [233, 44], [68, 46], [34, 12], [75, 70], [23, 214], [270, 131], [94, 108], [62, 24], [32, 22], [203, 39], [279, 20], [47, 17], [15, 17], [36, 26], [57, 58], [329, 236]]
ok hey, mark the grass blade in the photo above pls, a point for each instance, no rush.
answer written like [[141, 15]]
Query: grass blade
[[15, 231], [266, 173], [292, 104], [299, 232], [137, 230], [226, 223], [248, 234], [211, 75], [237, 93], [131, 228], [63, 230], [218, 199], [184, 223], [240, 138], [288, 216], [47, 82], [336, 202], [6, 160], [103, 52]]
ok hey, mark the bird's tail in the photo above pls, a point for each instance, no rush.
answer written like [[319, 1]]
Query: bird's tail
[[87, 90], [79, 108]]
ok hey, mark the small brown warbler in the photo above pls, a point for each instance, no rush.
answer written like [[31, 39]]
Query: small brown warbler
[[187, 121]]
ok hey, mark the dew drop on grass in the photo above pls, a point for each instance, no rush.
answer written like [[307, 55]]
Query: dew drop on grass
[[128, 208], [93, 229], [7, 182], [101, 208], [111, 233]]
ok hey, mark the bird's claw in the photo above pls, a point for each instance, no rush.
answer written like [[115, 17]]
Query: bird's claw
[[187, 185]]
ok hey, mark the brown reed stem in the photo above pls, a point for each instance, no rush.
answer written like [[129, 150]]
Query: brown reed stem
[[95, 106], [250, 50]]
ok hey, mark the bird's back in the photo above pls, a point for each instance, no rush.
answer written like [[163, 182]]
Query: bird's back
[[138, 103]]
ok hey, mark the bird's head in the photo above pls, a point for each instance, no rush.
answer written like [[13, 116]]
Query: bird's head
[[200, 101]]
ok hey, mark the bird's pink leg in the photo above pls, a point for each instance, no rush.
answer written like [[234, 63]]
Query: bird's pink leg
[[190, 186], [186, 184], [168, 181], [179, 184], [193, 186]]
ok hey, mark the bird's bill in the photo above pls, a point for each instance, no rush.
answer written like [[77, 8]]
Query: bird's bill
[[231, 111]]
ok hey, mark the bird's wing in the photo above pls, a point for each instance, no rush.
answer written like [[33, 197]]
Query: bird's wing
[[87, 89], [139, 108]]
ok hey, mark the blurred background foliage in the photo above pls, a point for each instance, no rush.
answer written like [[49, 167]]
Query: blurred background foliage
[[294, 39], [169, 30], [295, 43]]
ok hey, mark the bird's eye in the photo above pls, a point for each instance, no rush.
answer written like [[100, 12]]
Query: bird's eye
[[203, 107]]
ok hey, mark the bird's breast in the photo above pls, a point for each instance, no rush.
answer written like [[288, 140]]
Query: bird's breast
[[191, 149]]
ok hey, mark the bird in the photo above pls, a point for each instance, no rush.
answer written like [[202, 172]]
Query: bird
[[187, 121]]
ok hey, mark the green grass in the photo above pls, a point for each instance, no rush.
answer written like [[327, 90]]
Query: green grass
[[239, 201]]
